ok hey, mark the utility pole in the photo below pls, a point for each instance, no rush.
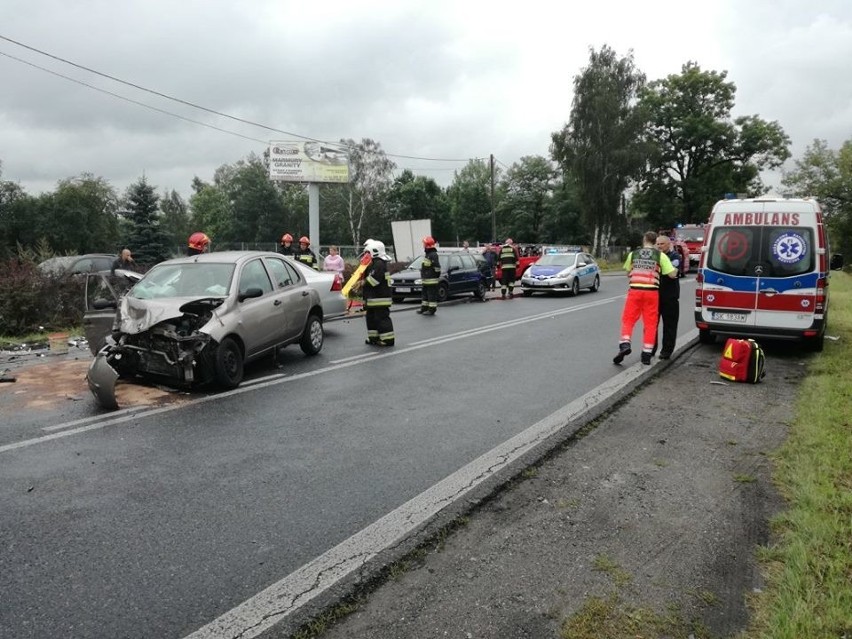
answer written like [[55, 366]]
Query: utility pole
[[493, 216]]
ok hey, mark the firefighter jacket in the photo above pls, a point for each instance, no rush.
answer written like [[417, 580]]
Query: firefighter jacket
[[508, 257], [377, 290], [430, 268], [307, 256], [287, 250]]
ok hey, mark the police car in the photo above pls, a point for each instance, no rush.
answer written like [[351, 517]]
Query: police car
[[562, 270]]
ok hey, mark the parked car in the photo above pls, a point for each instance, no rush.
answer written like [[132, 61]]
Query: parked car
[[562, 273], [197, 320], [89, 263], [329, 286], [461, 272]]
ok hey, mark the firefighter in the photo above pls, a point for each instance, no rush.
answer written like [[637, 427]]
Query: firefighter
[[430, 272], [508, 259], [644, 267], [304, 253], [198, 243], [286, 247], [377, 296]]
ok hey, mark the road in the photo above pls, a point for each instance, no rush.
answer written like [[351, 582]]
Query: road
[[155, 521]]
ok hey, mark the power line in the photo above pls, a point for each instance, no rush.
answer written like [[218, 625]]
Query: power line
[[192, 104], [131, 100]]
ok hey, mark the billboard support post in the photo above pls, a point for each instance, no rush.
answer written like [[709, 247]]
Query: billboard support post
[[313, 216]]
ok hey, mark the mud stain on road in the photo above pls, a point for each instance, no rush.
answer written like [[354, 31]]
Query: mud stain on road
[[46, 386]]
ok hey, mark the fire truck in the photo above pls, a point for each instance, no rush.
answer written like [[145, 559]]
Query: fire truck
[[693, 236]]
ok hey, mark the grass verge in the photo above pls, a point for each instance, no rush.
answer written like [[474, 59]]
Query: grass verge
[[809, 566]]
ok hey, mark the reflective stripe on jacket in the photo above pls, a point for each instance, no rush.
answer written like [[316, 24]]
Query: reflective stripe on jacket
[[508, 257], [644, 265], [430, 269]]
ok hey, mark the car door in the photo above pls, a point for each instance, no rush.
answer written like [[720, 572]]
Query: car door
[[471, 272], [293, 290], [100, 302], [261, 319], [455, 276]]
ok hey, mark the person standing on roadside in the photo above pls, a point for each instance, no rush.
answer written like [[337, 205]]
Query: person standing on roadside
[[377, 296], [198, 243], [286, 247], [644, 268], [669, 299], [333, 263], [430, 273], [508, 263], [491, 259], [123, 261], [304, 253]]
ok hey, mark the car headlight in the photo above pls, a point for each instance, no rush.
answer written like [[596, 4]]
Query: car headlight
[[418, 281]]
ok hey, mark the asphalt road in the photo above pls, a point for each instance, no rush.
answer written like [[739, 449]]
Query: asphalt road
[[156, 521]]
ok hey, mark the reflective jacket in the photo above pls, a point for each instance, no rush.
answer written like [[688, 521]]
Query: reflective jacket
[[307, 256], [430, 268], [377, 290], [644, 267], [508, 257]]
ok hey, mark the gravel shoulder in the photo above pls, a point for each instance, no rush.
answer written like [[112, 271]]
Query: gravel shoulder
[[662, 502]]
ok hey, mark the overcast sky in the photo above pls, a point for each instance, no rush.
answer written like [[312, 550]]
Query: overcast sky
[[446, 80]]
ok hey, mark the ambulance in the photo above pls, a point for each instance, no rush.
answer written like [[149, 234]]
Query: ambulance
[[763, 271]]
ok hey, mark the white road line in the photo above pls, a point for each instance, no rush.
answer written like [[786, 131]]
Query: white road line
[[274, 380]]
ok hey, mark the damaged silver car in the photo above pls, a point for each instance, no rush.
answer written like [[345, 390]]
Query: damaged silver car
[[197, 320]]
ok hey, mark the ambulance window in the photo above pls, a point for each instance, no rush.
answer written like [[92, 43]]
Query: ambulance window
[[732, 249], [788, 251]]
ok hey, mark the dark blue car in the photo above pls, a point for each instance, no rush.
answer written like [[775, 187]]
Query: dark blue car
[[461, 272]]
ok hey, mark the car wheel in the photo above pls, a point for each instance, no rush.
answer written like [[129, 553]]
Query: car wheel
[[706, 337], [596, 285], [443, 292], [479, 293], [575, 287], [312, 336], [527, 293], [229, 364]]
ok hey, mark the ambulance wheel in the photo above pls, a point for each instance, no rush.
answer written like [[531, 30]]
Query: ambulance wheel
[[816, 344], [706, 337]]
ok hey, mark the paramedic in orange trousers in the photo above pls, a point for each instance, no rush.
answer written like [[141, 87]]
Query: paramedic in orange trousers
[[644, 267], [669, 300]]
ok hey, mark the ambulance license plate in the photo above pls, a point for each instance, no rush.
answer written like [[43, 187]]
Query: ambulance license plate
[[402, 289], [730, 317]]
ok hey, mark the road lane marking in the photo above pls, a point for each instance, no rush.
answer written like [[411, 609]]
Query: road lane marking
[[67, 429]]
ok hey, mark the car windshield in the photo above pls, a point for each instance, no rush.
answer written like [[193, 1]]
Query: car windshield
[[417, 263], [690, 235], [557, 259], [185, 280]]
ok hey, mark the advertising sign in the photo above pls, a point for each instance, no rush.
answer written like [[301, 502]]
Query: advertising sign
[[308, 162]]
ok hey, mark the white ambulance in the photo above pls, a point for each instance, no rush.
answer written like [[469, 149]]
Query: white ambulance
[[764, 271]]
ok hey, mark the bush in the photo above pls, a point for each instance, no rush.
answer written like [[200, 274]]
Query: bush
[[31, 300]]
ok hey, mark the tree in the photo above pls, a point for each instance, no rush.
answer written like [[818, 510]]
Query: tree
[[149, 242], [210, 212], [418, 198], [370, 174], [528, 197], [255, 205], [827, 175], [174, 220], [601, 146], [81, 216], [699, 152], [470, 202]]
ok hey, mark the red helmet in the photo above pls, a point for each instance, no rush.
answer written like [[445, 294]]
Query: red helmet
[[286, 238], [198, 241], [428, 241], [304, 240]]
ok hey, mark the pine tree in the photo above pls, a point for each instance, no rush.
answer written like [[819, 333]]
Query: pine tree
[[147, 241]]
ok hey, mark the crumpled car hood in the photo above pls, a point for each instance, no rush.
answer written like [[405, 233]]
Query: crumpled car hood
[[138, 315]]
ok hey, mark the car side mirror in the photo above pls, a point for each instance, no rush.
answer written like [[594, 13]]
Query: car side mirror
[[101, 304], [250, 293]]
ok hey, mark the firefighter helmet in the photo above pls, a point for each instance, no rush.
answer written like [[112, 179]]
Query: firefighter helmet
[[428, 241], [304, 240], [376, 249], [198, 241], [286, 238]]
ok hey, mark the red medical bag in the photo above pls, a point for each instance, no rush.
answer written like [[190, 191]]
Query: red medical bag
[[742, 361]]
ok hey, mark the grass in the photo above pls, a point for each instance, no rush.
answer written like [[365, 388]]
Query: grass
[[809, 567], [39, 337]]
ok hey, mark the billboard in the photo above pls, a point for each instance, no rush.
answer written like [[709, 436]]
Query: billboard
[[308, 162]]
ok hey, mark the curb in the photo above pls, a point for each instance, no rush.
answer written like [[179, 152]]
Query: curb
[[336, 574]]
